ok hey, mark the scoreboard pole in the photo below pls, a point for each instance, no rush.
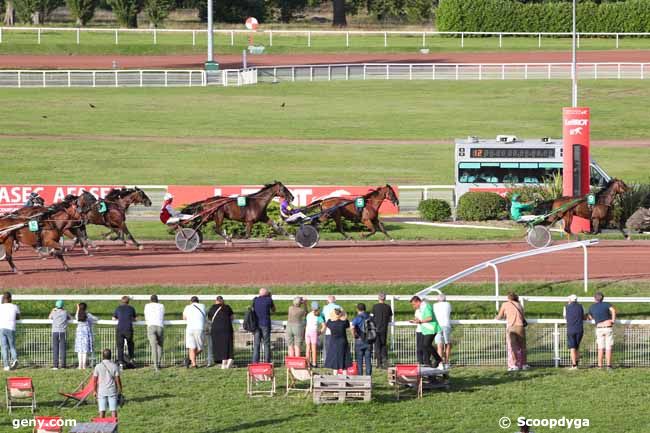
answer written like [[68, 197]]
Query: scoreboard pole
[[576, 163]]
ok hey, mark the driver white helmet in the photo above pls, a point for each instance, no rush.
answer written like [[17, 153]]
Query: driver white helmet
[[168, 196]]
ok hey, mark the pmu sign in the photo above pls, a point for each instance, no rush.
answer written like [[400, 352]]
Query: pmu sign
[[576, 124]]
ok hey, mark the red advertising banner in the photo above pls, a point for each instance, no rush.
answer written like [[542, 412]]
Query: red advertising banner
[[303, 194], [576, 142], [13, 197]]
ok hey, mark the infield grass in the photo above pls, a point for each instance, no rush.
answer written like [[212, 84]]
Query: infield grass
[[142, 43], [327, 133]]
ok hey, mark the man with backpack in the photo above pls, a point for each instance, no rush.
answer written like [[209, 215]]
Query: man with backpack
[[365, 334]]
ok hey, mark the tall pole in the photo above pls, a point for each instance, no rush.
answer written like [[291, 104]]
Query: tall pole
[[211, 33], [574, 74]]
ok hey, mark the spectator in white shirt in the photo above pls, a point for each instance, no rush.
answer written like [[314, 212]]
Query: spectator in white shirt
[[9, 314], [194, 315], [154, 316], [442, 311]]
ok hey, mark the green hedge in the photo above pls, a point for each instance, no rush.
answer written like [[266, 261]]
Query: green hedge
[[481, 206], [434, 210], [513, 16]]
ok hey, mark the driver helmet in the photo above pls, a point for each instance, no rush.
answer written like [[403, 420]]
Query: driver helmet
[[33, 195], [168, 196]]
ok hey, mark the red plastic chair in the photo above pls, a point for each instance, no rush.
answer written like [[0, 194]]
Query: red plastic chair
[[81, 393], [20, 388], [260, 372], [298, 370], [351, 370], [408, 375], [47, 424]]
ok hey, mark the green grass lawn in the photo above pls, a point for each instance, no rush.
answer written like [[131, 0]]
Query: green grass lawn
[[207, 135], [142, 43], [403, 311], [214, 401]]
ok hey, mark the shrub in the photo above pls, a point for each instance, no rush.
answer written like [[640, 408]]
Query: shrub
[[481, 206], [434, 210], [126, 11], [157, 11], [638, 195]]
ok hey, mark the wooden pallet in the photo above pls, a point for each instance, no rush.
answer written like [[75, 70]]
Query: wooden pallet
[[434, 380], [341, 389]]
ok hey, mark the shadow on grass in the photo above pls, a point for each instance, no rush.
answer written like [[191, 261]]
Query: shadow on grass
[[252, 425]]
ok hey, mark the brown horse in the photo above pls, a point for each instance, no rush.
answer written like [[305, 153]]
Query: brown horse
[[596, 213], [339, 207], [125, 197], [253, 211], [52, 222]]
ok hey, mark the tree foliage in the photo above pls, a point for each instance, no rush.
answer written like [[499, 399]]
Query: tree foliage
[[82, 10], [158, 10], [235, 11], [126, 11], [35, 11]]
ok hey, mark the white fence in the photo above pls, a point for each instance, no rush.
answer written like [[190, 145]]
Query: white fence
[[449, 71], [126, 78], [475, 343], [346, 37]]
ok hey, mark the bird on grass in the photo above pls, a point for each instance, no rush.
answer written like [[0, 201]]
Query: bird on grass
[[44, 117], [282, 105], [91, 105]]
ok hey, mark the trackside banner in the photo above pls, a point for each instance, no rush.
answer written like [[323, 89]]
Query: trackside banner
[[13, 197], [303, 194]]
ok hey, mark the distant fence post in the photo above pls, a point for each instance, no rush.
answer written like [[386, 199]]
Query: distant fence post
[[433, 72], [141, 79], [232, 38], [539, 41], [39, 35], [193, 37], [309, 39], [500, 40], [616, 40], [462, 40], [347, 39], [0, 35], [78, 31], [385, 39], [69, 79], [556, 344], [116, 37], [270, 38], [155, 36], [424, 39]]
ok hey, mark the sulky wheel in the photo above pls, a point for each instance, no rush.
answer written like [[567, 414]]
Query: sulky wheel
[[539, 237], [307, 236], [2, 252], [187, 240]]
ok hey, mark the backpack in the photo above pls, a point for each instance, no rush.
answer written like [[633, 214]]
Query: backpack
[[250, 319], [368, 330]]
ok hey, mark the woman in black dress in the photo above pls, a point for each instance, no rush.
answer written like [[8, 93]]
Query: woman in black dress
[[338, 351], [221, 332]]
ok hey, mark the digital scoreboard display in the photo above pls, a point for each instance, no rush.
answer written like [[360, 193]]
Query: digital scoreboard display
[[495, 152]]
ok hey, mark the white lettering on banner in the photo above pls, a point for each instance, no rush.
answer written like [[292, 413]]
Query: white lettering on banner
[[300, 195], [577, 122], [576, 131], [576, 111], [217, 191]]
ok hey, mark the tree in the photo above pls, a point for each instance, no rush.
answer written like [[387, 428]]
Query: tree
[[35, 11], [158, 10], [235, 11], [82, 10], [9, 13], [288, 8], [339, 18], [126, 11]]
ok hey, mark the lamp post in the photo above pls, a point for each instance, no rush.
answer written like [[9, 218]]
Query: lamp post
[[210, 64], [574, 72]]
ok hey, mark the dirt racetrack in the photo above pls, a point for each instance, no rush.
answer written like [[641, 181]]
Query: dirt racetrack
[[275, 263], [234, 61]]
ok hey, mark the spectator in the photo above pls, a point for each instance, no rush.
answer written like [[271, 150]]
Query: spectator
[[362, 347], [125, 316], [513, 313], [315, 326], [154, 317], [194, 315], [263, 306], [442, 311], [604, 314], [84, 340], [429, 327], [108, 385], [338, 352], [327, 311], [574, 315], [221, 332], [59, 318], [9, 314], [296, 325], [382, 315]]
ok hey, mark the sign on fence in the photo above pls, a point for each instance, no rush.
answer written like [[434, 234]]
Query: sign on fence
[[13, 197]]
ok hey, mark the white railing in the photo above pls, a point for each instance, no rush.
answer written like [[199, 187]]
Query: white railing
[[475, 343], [126, 78], [452, 71], [493, 263], [347, 37]]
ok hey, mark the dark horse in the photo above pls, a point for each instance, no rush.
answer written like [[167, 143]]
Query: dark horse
[[597, 214], [336, 209], [114, 217], [254, 210], [53, 221]]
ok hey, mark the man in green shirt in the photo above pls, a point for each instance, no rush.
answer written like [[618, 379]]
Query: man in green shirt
[[429, 327], [517, 207]]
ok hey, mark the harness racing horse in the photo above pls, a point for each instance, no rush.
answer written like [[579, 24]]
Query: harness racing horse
[[336, 208], [597, 214], [52, 222], [111, 214], [125, 197], [253, 211]]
